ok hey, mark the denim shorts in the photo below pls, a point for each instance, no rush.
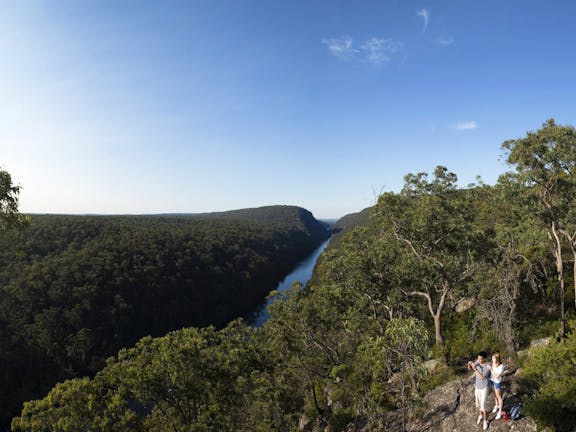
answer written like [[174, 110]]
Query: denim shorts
[[497, 386]]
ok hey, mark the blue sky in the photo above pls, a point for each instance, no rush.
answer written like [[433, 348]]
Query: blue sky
[[205, 105]]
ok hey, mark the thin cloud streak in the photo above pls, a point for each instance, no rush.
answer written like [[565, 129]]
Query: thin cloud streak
[[465, 125], [340, 47], [376, 51], [444, 41], [425, 14]]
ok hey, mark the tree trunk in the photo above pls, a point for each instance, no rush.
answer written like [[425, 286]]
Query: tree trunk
[[319, 410], [510, 337], [560, 270], [571, 237], [403, 400], [438, 330], [574, 271]]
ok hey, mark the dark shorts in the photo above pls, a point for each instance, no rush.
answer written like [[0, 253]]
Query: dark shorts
[[497, 386]]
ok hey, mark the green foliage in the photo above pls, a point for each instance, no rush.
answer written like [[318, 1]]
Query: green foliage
[[551, 370], [545, 163], [286, 216], [460, 337], [430, 225], [10, 218], [78, 404], [353, 220], [196, 380], [540, 327], [345, 349], [440, 376], [75, 290], [65, 409]]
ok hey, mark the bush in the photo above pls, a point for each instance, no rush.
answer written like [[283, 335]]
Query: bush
[[551, 370], [443, 375]]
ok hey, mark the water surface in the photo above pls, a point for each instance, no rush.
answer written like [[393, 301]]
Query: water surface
[[302, 273]]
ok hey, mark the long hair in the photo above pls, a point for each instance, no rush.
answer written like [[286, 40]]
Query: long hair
[[496, 357]]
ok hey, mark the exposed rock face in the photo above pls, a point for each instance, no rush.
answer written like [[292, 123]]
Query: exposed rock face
[[304, 422], [540, 342], [450, 408], [465, 304], [431, 365]]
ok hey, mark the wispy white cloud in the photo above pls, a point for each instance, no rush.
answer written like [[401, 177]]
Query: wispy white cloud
[[341, 47], [378, 51], [375, 50], [425, 14], [444, 40], [465, 125]]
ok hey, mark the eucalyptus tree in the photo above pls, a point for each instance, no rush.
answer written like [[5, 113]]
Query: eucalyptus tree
[[11, 220], [192, 380], [545, 162], [512, 269], [10, 217], [431, 223]]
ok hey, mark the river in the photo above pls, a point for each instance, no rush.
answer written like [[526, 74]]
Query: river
[[302, 273]]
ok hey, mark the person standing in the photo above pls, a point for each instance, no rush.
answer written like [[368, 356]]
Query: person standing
[[496, 371], [481, 373]]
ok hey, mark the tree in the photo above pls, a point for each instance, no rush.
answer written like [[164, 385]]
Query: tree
[[406, 348], [512, 271], [66, 409], [9, 216], [192, 380], [502, 288], [545, 161], [431, 225]]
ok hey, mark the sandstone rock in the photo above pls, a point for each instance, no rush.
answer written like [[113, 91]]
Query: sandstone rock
[[540, 342], [450, 408], [464, 304], [303, 422], [431, 365]]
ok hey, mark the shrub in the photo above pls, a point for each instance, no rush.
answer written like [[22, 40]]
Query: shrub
[[551, 370]]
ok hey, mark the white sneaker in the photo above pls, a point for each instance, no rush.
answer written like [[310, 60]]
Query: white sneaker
[[479, 419], [498, 416], [485, 425], [496, 408]]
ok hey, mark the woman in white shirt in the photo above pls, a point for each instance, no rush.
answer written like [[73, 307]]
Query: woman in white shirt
[[496, 371]]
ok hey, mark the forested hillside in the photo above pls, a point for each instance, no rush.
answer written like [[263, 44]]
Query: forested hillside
[[353, 220], [436, 271], [76, 289], [295, 217]]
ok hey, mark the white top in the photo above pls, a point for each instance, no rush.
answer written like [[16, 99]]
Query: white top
[[498, 371]]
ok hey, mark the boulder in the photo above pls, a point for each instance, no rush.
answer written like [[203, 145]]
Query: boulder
[[464, 304], [540, 342], [431, 365], [450, 408], [303, 422]]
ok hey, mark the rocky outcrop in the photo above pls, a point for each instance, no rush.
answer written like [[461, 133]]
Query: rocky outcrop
[[450, 408], [464, 304]]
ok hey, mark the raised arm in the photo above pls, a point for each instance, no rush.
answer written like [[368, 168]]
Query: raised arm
[[473, 366]]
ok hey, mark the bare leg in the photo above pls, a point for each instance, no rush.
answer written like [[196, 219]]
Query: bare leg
[[499, 401]]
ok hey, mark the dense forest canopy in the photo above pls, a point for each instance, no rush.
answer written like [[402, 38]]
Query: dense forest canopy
[[76, 289], [435, 270]]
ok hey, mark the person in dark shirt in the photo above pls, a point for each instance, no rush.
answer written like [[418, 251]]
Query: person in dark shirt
[[481, 373]]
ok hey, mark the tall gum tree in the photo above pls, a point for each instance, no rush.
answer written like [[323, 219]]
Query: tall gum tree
[[431, 225], [10, 220], [545, 161], [9, 216]]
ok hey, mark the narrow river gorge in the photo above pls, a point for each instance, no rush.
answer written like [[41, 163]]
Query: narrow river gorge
[[301, 273]]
